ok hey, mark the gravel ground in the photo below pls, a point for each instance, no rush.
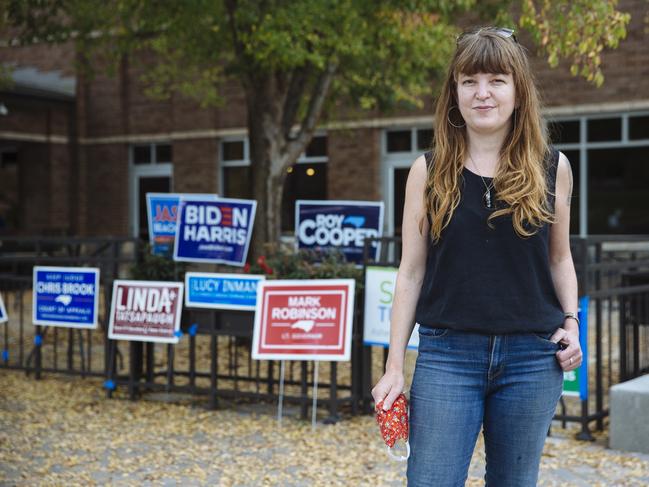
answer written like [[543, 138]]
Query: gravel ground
[[64, 431]]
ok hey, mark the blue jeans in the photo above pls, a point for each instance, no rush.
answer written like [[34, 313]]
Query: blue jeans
[[507, 384]]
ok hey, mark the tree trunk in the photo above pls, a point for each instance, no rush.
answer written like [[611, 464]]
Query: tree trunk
[[268, 173], [273, 146]]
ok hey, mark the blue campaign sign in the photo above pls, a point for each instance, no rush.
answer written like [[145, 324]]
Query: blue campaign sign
[[65, 296], [3, 311], [221, 291], [216, 230], [341, 225], [162, 209], [162, 213]]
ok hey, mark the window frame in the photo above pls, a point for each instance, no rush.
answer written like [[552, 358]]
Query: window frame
[[303, 159], [583, 146], [143, 170], [391, 161]]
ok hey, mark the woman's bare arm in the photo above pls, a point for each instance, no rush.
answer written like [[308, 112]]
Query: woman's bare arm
[[562, 267], [408, 285]]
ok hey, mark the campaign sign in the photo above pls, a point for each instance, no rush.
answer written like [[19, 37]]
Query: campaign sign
[[3, 311], [216, 230], [304, 320], [145, 311], [221, 291], [162, 212], [65, 296], [379, 294], [341, 225], [162, 209], [575, 382]]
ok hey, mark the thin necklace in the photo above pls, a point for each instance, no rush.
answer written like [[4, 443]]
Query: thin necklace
[[486, 197]]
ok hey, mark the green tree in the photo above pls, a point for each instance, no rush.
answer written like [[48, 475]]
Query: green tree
[[299, 62]]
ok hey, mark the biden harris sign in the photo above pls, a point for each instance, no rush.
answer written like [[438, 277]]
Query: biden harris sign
[[215, 230], [341, 225]]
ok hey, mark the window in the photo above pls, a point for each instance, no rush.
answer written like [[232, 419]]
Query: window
[[618, 189], [399, 141], [615, 154], [307, 179], [424, 139], [151, 171], [10, 207], [142, 154], [604, 129], [401, 146], [237, 182], [233, 150], [566, 132], [639, 127], [304, 181], [8, 158], [162, 153], [151, 153], [317, 148]]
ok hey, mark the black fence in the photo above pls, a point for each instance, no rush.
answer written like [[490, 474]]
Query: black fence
[[213, 357], [613, 271], [38, 349]]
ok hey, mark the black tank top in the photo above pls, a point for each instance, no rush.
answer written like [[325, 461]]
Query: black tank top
[[489, 280]]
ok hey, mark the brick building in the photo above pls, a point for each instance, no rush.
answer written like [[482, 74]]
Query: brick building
[[77, 155]]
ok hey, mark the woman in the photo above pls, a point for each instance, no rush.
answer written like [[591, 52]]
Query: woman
[[487, 273]]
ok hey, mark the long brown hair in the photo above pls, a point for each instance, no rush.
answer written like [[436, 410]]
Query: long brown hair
[[520, 181]]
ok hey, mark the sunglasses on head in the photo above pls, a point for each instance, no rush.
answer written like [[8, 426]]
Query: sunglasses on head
[[503, 32]]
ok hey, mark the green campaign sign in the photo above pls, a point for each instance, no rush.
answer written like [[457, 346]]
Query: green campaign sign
[[575, 382], [571, 383]]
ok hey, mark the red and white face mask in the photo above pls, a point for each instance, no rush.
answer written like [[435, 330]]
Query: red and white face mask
[[393, 424]]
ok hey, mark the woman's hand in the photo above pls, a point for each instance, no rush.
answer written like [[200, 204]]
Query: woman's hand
[[570, 356], [388, 388]]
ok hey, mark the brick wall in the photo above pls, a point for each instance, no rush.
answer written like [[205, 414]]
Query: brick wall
[[34, 188], [43, 57], [354, 164], [625, 69], [195, 166], [42, 179], [107, 189], [116, 106]]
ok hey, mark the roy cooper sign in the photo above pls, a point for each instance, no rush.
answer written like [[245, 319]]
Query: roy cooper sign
[[341, 225]]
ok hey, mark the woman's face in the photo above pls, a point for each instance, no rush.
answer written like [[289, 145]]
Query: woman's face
[[486, 101]]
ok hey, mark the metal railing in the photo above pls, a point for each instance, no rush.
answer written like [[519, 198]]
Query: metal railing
[[38, 349], [213, 358]]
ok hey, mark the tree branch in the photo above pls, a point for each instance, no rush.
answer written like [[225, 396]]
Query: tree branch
[[239, 48], [292, 98], [316, 102]]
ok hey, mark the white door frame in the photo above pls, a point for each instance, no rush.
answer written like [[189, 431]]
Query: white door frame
[[390, 162], [389, 166], [138, 171]]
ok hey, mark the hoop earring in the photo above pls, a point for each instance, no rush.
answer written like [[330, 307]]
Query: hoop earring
[[448, 118]]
